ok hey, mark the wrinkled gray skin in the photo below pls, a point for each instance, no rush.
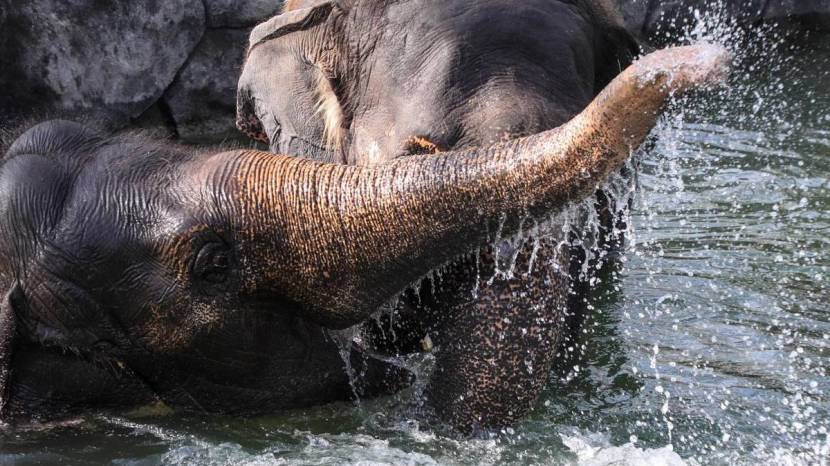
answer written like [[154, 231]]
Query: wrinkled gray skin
[[401, 78], [133, 271]]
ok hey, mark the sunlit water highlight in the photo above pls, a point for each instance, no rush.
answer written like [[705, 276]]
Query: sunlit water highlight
[[711, 345]]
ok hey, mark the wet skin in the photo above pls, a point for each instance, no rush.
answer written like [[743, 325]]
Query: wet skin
[[368, 81], [134, 270]]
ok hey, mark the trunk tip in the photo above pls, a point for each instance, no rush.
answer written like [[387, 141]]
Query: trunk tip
[[686, 67]]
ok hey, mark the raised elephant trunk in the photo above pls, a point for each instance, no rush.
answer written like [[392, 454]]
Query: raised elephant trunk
[[343, 240]]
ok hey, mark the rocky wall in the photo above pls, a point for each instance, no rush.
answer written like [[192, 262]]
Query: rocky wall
[[169, 65], [173, 65], [657, 20]]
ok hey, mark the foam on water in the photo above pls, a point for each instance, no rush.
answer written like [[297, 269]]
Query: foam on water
[[596, 450], [307, 448]]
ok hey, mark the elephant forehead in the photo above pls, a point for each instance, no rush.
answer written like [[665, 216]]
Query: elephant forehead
[[117, 199], [33, 190], [495, 67], [79, 199], [540, 28], [127, 202]]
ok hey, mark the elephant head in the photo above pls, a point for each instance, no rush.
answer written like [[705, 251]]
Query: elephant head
[[363, 82], [207, 278], [366, 81]]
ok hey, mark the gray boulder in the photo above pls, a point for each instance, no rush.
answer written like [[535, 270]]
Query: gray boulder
[[202, 99], [811, 12], [661, 21], [240, 13], [666, 19], [113, 58], [635, 13]]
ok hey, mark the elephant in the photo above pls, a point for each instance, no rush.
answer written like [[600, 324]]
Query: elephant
[[135, 270], [366, 82]]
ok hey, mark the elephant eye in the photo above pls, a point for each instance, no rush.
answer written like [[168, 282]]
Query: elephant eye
[[213, 263]]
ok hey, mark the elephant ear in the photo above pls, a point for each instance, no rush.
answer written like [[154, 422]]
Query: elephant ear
[[7, 333], [286, 95], [292, 19], [292, 5]]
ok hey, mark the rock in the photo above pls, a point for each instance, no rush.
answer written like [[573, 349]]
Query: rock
[[5, 96], [114, 57], [811, 12], [635, 13], [660, 21], [3, 17], [669, 19], [156, 122], [240, 13], [202, 99], [115, 60]]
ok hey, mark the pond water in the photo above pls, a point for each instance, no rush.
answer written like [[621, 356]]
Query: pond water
[[710, 345]]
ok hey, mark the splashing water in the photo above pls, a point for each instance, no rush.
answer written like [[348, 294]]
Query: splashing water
[[345, 340], [725, 307], [711, 345]]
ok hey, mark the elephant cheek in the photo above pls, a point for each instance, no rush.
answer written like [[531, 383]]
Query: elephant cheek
[[170, 329]]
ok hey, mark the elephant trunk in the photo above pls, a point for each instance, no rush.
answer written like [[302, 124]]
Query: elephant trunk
[[340, 241]]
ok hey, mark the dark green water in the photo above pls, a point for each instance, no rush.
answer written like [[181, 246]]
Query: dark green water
[[711, 345]]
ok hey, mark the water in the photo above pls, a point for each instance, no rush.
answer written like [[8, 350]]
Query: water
[[711, 345]]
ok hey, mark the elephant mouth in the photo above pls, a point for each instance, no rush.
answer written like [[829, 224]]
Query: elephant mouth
[[289, 363], [308, 148]]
